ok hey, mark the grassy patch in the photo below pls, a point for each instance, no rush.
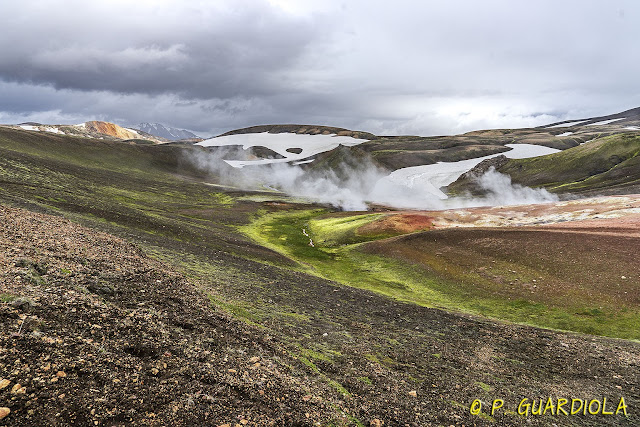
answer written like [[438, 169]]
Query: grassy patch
[[341, 230], [448, 285], [237, 309]]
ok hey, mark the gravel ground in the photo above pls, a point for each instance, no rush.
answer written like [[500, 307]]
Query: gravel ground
[[94, 333]]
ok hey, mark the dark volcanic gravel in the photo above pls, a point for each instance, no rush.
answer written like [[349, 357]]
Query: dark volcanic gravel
[[94, 333]]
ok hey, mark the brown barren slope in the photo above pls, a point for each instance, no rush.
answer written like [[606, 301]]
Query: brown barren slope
[[97, 333], [589, 268]]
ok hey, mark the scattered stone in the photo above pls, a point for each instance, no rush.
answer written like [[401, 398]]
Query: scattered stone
[[22, 303], [60, 374], [154, 371], [4, 383], [376, 423], [4, 411], [18, 389], [413, 393]]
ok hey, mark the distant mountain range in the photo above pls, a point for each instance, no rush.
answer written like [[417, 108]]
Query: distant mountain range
[[92, 129], [162, 131], [153, 132]]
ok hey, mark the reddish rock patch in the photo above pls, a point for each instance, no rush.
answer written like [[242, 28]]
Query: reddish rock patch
[[111, 129], [402, 223]]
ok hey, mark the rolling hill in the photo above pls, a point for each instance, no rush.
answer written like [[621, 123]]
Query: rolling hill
[[604, 165]]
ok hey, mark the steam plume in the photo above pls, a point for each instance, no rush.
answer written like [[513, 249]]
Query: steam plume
[[350, 187]]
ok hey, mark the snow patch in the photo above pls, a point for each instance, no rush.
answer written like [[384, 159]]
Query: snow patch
[[566, 125], [302, 162], [54, 130], [29, 127], [632, 128], [432, 177], [605, 122], [280, 142], [565, 134]]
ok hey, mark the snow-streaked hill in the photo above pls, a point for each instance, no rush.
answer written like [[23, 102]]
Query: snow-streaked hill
[[291, 146], [435, 176]]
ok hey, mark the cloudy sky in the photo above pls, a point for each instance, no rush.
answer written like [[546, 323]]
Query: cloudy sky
[[403, 67]]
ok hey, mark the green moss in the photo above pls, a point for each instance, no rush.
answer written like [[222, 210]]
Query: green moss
[[309, 364], [297, 316], [239, 310], [365, 380], [372, 358], [483, 386], [7, 297], [334, 231], [315, 355], [339, 388]]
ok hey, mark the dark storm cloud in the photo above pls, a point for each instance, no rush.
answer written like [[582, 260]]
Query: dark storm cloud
[[428, 67], [196, 51]]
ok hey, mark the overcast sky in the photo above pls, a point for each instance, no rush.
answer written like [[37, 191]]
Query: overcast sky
[[401, 67]]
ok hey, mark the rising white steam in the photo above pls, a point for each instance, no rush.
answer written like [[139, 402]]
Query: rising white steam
[[356, 184], [501, 191]]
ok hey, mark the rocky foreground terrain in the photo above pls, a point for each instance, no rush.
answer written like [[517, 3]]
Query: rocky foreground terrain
[[96, 333]]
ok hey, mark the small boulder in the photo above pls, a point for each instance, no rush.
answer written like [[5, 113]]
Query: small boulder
[[4, 411]]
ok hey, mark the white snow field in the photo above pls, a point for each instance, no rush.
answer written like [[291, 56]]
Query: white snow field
[[432, 177], [605, 122], [566, 125], [29, 127], [54, 130], [632, 128], [279, 142], [565, 134]]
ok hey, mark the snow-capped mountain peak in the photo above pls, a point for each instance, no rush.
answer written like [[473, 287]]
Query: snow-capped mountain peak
[[162, 131]]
